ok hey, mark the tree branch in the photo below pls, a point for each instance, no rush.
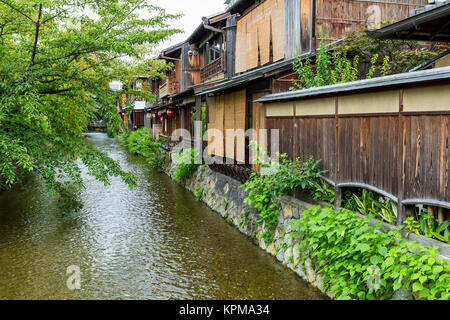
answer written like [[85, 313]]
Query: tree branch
[[55, 91], [36, 35], [19, 11]]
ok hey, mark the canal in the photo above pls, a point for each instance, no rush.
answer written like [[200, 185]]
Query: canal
[[155, 241]]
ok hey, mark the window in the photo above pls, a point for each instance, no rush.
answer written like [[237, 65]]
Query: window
[[213, 49]]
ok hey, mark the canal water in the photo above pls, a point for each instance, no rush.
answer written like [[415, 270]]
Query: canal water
[[151, 242]]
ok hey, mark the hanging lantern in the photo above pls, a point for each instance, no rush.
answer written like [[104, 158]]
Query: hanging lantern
[[160, 114], [170, 113]]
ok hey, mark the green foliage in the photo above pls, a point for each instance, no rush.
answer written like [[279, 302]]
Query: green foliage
[[340, 63], [199, 194], [412, 226], [368, 204], [431, 228], [397, 55], [359, 262], [141, 142], [330, 67], [348, 201], [323, 191], [263, 190], [187, 163], [56, 63]]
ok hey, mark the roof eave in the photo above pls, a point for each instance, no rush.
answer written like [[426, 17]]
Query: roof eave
[[391, 31], [361, 85]]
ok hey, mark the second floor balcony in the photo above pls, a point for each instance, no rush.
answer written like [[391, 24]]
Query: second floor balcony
[[163, 90], [212, 69]]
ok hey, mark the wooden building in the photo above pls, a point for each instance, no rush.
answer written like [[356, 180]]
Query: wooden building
[[138, 103], [389, 135], [268, 36], [199, 62]]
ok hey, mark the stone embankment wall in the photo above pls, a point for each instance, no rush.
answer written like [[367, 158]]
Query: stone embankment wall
[[225, 196]]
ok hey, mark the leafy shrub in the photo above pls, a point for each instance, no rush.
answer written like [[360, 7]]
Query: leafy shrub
[[336, 64], [330, 67], [141, 142], [323, 191], [430, 227], [187, 163], [369, 203], [358, 262], [122, 138], [385, 210], [263, 190], [402, 55]]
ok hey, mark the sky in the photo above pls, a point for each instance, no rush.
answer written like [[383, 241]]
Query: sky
[[193, 11]]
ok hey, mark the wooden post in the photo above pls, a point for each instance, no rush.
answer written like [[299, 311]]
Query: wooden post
[[295, 129], [229, 62], [337, 197], [401, 210], [337, 190], [441, 215], [198, 131]]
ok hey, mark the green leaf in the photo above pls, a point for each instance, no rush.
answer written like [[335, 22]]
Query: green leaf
[[388, 262], [437, 269], [422, 279], [375, 259], [363, 247], [417, 286], [383, 251]]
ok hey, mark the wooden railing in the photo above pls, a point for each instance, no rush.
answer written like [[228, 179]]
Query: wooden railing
[[163, 89], [211, 69], [174, 87]]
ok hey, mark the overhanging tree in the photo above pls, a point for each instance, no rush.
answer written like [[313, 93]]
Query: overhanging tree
[[57, 58]]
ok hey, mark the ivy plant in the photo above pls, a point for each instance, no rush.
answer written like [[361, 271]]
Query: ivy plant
[[264, 190], [358, 261]]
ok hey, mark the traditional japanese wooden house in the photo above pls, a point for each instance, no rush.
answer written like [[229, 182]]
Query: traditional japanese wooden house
[[269, 35], [164, 115], [138, 103], [200, 62], [389, 134]]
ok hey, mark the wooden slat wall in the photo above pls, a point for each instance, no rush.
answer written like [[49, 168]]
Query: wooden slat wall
[[404, 154], [258, 123], [316, 137], [338, 18], [286, 135], [427, 157], [255, 32], [368, 151], [227, 112], [305, 20], [292, 28], [190, 69]]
